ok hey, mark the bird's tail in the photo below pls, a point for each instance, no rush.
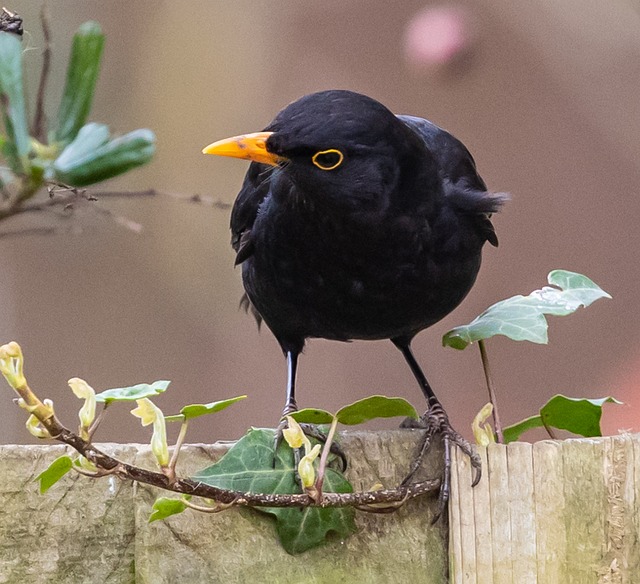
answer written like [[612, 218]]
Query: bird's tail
[[474, 201]]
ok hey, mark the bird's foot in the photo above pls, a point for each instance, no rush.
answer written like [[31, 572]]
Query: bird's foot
[[435, 421]]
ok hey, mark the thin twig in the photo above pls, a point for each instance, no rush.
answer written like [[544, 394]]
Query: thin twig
[[214, 509], [64, 196], [492, 392], [325, 454], [31, 231], [205, 200], [39, 128], [178, 446], [98, 420]]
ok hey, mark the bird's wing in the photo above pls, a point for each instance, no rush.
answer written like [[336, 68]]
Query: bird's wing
[[254, 190], [463, 186]]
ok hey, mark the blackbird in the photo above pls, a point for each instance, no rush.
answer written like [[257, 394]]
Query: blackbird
[[355, 223]]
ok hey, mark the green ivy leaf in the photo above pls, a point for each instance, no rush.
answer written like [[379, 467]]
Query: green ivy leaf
[[195, 410], [312, 416], [132, 393], [522, 318], [249, 466], [375, 406], [82, 74], [18, 144], [56, 470], [165, 507], [577, 415]]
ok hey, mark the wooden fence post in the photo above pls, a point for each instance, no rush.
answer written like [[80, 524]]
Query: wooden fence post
[[547, 513]]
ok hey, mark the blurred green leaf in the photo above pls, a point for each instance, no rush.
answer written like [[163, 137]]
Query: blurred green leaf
[[249, 466], [522, 318], [111, 159], [165, 507], [18, 142], [196, 410], [56, 470], [132, 393], [577, 415], [82, 74], [89, 138]]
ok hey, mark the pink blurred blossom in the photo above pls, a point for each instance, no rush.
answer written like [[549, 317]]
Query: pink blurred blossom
[[437, 35]]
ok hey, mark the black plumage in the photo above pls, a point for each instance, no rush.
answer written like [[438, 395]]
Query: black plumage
[[355, 223]]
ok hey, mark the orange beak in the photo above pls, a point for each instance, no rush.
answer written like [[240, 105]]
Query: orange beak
[[247, 146]]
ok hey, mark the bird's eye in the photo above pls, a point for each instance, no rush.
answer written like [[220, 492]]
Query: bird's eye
[[328, 159]]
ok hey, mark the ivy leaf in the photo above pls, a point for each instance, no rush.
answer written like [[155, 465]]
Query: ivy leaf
[[249, 466], [375, 406], [56, 470], [312, 416], [195, 410], [165, 507], [522, 318], [132, 393], [364, 410], [577, 415]]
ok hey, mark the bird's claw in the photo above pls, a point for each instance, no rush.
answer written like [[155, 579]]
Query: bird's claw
[[435, 421]]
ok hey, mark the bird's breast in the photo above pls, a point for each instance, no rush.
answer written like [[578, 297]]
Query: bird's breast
[[338, 279]]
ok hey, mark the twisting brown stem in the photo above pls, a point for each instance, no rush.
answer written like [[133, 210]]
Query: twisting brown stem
[[107, 463]]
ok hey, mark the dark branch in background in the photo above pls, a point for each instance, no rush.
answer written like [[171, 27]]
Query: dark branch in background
[[10, 22], [39, 128], [65, 197], [205, 200]]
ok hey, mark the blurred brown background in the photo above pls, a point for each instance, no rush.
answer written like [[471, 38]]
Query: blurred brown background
[[546, 99]]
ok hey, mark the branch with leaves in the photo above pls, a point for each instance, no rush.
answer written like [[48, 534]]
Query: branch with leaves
[[324, 487], [72, 154], [523, 318]]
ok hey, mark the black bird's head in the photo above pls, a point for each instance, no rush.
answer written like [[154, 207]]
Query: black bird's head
[[338, 147]]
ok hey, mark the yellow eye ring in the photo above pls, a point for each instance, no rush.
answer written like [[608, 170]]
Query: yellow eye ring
[[333, 159]]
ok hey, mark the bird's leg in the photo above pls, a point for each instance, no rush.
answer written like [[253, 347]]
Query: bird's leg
[[435, 421], [291, 406]]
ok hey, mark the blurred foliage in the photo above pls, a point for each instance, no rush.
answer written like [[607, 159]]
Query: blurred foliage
[[75, 153]]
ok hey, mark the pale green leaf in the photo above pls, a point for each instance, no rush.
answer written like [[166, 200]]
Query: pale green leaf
[[195, 410], [522, 318], [133, 392]]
